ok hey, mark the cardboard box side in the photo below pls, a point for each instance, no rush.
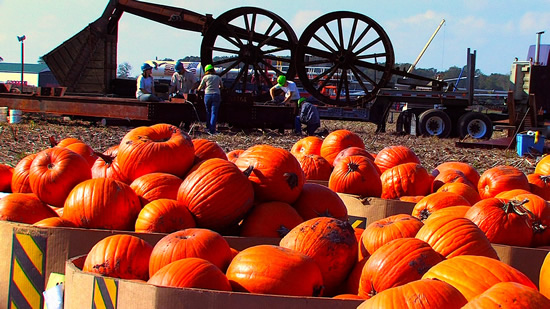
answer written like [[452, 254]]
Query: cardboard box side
[[363, 211], [79, 293], [526, 260]]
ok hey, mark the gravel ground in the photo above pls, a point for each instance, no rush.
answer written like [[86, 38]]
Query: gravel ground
[[32, 135]]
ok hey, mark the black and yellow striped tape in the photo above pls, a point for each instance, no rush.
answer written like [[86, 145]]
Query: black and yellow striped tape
[[28, 273], [359, 222], [105, 293]]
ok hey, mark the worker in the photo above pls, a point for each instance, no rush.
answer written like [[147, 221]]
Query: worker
[[308, 115], [146, 85], [211, 83], [288, 87], [182, 82]]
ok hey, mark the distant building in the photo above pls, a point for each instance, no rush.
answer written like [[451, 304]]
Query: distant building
[[34, 75]]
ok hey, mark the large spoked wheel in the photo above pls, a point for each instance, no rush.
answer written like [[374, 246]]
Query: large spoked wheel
[[250, 47], [435, 122], [476, 125], [344, 58]]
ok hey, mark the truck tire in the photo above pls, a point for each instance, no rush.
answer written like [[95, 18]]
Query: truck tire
[[435, 122], [476, 125]]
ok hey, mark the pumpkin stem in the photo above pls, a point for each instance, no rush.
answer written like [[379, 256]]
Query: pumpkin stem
[[424, 214], [248, 170], [291, 179], [372, 292], [318, 291], [521, 210], [107, 158], [352, 167], [538, 227], [545, 179]]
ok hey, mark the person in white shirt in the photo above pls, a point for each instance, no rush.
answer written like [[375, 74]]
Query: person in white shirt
[[291, 93], [211, 83], [145, 91], [182, 82]]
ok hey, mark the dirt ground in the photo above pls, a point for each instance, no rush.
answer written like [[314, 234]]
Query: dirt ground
[[32, 134]]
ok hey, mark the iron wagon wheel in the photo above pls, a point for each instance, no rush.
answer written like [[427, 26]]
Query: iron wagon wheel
[[344, 58], [250, 47]]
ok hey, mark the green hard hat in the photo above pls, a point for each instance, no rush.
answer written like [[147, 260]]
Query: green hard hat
[[301, 100], [208, 67], [281, 80]]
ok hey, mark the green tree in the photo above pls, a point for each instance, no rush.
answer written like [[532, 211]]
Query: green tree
[[124, 70]]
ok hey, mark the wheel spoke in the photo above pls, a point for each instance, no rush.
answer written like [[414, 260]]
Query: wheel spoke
[[225, 50], [329, 77], [236, 63], [341, 33], [352, 35], [320, 61], [360, 38], [325, 44], [239, 75], [375, 55], [270, 66], [274, 50], [270, 38], [237, 44], [358, 76], [371, 44], [227, 60], [338, 47], [368, 65]]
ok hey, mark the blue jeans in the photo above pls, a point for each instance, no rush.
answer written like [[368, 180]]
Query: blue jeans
[[311, 127], [148, 98], [212, 103]]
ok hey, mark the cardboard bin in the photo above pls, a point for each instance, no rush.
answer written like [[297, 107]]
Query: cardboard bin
[[86, 290]]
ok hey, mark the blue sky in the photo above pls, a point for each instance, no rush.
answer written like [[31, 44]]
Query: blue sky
[[497, 30]]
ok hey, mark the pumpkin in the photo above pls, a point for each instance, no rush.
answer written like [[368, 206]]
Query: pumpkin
[[331, 243], [268, 269], [24, 208], [20, 182], [276, 175], [425, 293], [469, 171], [501, 178], [347, 296], [356, 175], [451, 211], [352, 151], [319, 201], [157, 148], [309, 145], [206, 149], [337, 141], [438, 200], [191, 273], [64, 142], [315, 167], [544, 276], [450, 176], [473, 275], [538, 211], [510, 194], [462, 189], [164, 216], [6, 175], [380, 232], [539, 185], [543, 166], [408, 179], [84, 150], [106, 165], [102, 203], [392, 156], [154, 186], [54, 222], [55, 172], [192, 242], [120, 256], [503, 221], [398, 262], [217, 193], [411, 198], [270, 219], [233, 155], [453, 235], [351, 285], [509, 295]]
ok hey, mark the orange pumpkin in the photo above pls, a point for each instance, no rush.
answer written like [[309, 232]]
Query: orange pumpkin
[[450, 176], [20, 182], [543, 166], [55, 172], [408, 179], [499, 179], [469, 171], [332, 245], [352, 151], [392, 156], [24, 208], [267, 269], [164, 216], [464, 190], [233, 155], [509, 295], [544, 276], [191, 273], [157, 148], [309, 145], [380, 232], [54, 222], [356, 175], [451, 211], [319, 201], [120, 256], [85, 151], [270, 219], [538, 212], [315, 167], [539, 185], [206, 149], [438, 200], [337, 141], [154, 186], [106, 165], [6, 175], [473, 275]]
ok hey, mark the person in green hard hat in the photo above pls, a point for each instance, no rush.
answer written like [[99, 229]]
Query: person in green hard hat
[[211, 83], [291, 93], [308, 115]]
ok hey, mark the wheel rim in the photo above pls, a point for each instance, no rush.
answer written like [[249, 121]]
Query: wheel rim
[[362, 52], [435, 126], [253, 45], [476, 128]]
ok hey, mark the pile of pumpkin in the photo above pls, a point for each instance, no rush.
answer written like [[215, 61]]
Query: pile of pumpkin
[[158, 179]]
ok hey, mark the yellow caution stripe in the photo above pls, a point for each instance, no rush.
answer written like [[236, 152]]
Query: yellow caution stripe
[[357, 222], [105, 293], [27, 278]]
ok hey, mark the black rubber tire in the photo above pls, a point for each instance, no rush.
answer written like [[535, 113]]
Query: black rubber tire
[[435, 122], [475, 125]]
